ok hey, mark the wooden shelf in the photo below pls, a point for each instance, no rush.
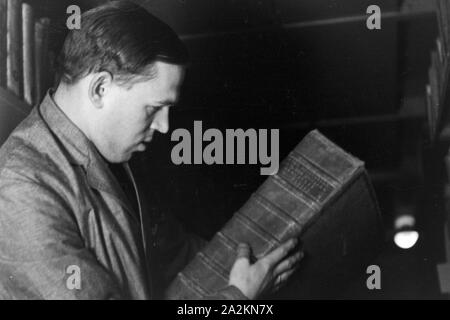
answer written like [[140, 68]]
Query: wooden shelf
[[405, 14]]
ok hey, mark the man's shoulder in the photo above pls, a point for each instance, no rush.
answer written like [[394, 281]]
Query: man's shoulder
[[29, 149]]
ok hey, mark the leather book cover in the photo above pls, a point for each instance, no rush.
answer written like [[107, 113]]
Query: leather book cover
[[320, 194]]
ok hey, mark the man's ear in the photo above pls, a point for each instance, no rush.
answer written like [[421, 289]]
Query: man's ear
[[98, 87]]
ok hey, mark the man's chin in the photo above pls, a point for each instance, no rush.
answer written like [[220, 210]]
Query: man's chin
[[141, 147], [127, 155], [120, 158]]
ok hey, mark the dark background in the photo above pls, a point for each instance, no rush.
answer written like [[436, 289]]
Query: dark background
[[295, 66]]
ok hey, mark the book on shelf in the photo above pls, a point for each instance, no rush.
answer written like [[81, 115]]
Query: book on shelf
[[430, 111], [440, 128], [435, 93], [28, 53], [440, 51], [322, 195], [442, 15], [24, 51], [14, 47], [3, 35], [18, 60], [41, 57], [439, 73]]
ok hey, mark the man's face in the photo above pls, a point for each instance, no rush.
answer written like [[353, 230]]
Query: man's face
[[130, 116]]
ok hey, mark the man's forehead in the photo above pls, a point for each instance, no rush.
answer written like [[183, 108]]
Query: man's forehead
[[170, 70], [160, 95], [166, 75], [164, 87]]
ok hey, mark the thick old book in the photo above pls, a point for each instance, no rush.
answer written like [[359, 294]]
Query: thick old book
[[14, 47], [3, 34], [320, 194], [28, 53]]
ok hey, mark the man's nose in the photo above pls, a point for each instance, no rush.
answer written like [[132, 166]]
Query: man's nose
[[161, 120]]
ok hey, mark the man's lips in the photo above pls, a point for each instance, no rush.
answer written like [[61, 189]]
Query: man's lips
[[143, 144], [148, 137], [141, 147]]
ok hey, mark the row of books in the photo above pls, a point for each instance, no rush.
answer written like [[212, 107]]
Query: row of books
[[443, 269], [24, 51], [438, 73], [439, 116]]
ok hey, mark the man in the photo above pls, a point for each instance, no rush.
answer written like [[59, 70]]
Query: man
[[70, 228]]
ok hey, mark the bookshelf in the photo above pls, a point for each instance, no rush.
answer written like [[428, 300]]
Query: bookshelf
[[25, 68], [438, 99], [39, 33], [25, 59], [443, 115], [438, 104]]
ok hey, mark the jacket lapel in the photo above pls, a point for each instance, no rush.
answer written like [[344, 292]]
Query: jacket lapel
[[100, 177]]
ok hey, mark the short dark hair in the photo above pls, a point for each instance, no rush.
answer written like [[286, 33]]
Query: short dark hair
[[122, 38]]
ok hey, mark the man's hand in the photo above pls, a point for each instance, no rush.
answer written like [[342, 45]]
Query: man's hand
[[269, 272]]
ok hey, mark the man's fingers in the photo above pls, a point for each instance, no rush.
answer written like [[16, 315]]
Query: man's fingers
[[285, 269], [279, 253], [288, 263], [281, 279]]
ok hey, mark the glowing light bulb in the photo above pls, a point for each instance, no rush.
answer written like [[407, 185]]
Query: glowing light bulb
[[405, 234], [406, 239]]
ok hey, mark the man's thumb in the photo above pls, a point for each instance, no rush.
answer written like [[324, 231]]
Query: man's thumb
[[243, 252]]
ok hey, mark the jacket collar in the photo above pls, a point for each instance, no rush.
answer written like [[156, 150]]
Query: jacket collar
[[82, 151]]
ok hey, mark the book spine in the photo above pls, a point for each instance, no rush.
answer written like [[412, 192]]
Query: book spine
[[41, 30], [430, 111], [440, 51], [3, 35], [28, 53], [45, 55], [445, 16], [14, 47], [38, 34], [437, 66], [434, 96], [441, 19], [311, 177]]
